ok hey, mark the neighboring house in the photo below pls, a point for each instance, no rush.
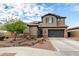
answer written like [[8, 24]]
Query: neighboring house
[[73, 32], [52, 25]]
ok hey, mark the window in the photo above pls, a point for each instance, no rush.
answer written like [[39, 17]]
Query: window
[[50, 20]]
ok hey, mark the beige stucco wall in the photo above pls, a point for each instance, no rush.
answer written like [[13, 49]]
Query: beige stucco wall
[[33, 31], [45, 24], [74, 33], [26, 30], [61, 22], [65, 33], [45, 32], [56, 22]]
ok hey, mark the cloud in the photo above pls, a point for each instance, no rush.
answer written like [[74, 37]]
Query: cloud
[[25, 11], [75, 7]]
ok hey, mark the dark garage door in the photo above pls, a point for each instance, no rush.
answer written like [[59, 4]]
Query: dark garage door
[[55, 33]]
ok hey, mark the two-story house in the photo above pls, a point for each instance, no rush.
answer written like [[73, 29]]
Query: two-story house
[[52, 25]]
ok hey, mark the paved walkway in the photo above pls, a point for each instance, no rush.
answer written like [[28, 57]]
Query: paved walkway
[[64, 47]]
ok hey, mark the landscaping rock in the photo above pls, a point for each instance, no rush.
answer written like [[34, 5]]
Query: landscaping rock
[[6, 44], [26, 43]]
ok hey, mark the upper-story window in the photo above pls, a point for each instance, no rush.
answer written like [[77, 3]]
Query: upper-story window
[[50, 20]]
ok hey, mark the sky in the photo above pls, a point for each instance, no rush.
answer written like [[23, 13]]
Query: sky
[[29, 12]]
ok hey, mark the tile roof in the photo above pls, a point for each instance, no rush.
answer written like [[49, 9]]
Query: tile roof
[[53, 15], [74, 28]]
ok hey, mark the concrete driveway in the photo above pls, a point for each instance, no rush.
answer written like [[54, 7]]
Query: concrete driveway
[[66, 47]]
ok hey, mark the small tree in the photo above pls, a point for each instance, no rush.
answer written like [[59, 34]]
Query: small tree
[[15, 27]]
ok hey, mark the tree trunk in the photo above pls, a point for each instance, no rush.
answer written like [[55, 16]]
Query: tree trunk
[[13, 35]]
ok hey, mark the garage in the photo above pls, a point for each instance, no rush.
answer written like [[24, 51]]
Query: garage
[[55, 33], [73, 32]]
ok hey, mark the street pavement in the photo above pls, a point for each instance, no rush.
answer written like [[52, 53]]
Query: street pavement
[[26, 51]]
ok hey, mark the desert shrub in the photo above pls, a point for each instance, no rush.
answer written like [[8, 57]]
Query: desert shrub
[[2, 38], [20, 36], [28, 37], [7, 37], [43, 39], [32, 37], [15, 27]]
